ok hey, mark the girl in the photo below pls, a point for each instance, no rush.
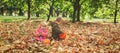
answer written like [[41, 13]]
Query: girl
[[42, 32]]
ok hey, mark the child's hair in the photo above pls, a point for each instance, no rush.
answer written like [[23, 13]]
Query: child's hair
[[43, 23], [59, 19]]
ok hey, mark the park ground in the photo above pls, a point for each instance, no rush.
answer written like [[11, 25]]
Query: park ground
[[96, 36]]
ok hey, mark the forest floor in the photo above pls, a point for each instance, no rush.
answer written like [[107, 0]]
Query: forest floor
[[82, 37]]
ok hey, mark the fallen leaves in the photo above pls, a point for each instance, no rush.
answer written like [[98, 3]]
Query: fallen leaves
[[81, 38]]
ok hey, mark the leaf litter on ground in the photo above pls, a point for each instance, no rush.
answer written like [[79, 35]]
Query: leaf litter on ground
[[82, 37]]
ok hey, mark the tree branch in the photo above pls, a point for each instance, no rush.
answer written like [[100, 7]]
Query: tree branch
[[82, 2]]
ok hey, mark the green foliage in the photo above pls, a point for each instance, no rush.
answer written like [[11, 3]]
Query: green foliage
[[40, 8], [107, 10]]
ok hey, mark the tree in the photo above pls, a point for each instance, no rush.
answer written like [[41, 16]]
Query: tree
[[20, 7], [1, 11], [77, 8], [74, 13], [50, 10], [28, 9], [1, 7], [109, 9], [115, 13]]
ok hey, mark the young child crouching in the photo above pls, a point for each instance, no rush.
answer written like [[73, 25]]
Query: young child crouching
[[42, 33]]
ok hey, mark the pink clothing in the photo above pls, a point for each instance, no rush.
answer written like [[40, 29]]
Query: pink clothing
[[44, 32], [38, 38], [37, 32], [41, 33]]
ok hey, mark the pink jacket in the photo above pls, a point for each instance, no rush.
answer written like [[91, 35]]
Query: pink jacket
[[41, 33]]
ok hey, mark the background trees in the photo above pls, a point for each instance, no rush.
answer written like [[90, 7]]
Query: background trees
[[75, 9]]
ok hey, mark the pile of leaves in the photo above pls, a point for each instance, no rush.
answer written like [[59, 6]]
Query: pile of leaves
[[82, 37]]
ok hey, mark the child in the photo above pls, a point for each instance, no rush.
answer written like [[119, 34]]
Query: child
[[57, 33], [42, 32]]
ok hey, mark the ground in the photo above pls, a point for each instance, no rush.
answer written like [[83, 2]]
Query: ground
[[82, 37]]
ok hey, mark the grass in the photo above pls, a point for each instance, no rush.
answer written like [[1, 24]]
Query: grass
[[101, 20], [11, 18], [21, 18]]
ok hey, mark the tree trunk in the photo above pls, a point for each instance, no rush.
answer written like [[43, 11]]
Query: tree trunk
[[63, 14], [66, 13], [115, 13], [2, 11], [37, 14], [50, 10], [49, 13], [74, 13], [58, 13], [10, 12], [52, 13], [78, 10], [28, 9], [20, 12]]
